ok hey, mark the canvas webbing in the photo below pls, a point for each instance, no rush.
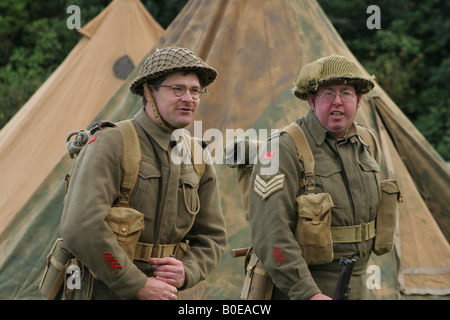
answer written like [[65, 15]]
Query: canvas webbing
[[304, 153], [145, 251], [358, 233], [131, 158]]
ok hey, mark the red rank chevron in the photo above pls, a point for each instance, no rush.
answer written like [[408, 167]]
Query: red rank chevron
[[278, 255], [111, 261]]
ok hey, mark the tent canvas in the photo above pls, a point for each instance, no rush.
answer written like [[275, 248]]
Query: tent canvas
[[30, 143], [258, 47]]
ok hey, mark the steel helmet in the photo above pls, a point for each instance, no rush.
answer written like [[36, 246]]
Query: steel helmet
[[333, 69]]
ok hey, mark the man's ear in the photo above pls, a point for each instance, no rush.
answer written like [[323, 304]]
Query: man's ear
[[358, 101], [311, 101]]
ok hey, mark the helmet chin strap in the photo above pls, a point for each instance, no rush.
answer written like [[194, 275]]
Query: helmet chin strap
[[156, 113]]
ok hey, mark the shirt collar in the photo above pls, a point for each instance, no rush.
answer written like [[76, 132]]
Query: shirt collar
[[158, 134], [317, 131]]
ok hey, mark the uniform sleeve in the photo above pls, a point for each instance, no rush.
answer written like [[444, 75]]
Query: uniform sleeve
[[95, 184], [207, 238], [273, 218]]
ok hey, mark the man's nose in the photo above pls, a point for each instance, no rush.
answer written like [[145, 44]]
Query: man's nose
[[337, 99], [187, 96]]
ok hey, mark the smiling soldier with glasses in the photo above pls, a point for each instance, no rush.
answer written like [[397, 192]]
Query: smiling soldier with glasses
[[181, 232]]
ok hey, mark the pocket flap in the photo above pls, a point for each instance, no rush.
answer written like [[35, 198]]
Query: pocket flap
[[189, 177], [314, 206], [148, 170], [125, 220], [368, 164], [390, 186], [326, 168]]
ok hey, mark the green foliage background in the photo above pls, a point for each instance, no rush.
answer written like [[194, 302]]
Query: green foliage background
[[409, 55]]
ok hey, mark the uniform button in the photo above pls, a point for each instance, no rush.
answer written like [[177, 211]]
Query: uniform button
[[123, 230]]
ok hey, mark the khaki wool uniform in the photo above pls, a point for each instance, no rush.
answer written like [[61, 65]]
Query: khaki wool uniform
[[158, 194], [345, 170]]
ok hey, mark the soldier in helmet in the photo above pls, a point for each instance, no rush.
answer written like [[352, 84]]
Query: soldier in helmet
[[184, 234], [344, 169]]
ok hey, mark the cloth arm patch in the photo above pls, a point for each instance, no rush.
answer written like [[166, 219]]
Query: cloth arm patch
[[265, 188]]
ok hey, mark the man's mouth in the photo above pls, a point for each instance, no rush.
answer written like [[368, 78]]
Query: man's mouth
[[337, 113]]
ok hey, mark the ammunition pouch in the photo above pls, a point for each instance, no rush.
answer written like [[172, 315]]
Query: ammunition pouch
[[258, 285], [313, 231], [55, 272], [387, 217], [62, 267], [127, 224]]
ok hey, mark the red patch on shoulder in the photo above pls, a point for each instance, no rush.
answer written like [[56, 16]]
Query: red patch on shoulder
[[269, 155], [92, 139]]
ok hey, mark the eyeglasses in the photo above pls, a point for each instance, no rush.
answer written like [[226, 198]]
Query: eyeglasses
[[180, 90], [329, 96]]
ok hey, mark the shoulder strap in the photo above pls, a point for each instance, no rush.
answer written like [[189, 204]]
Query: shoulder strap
[[304, 153], [131, 158], [369, 139]]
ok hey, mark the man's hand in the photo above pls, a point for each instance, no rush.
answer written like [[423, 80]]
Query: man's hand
[[169, 270], [319, 296], [169, 275], [157, 290]]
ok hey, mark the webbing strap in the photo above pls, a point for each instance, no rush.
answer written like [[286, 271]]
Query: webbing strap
[[145, 251], [358, 233], [131, 158], [304, 153]]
